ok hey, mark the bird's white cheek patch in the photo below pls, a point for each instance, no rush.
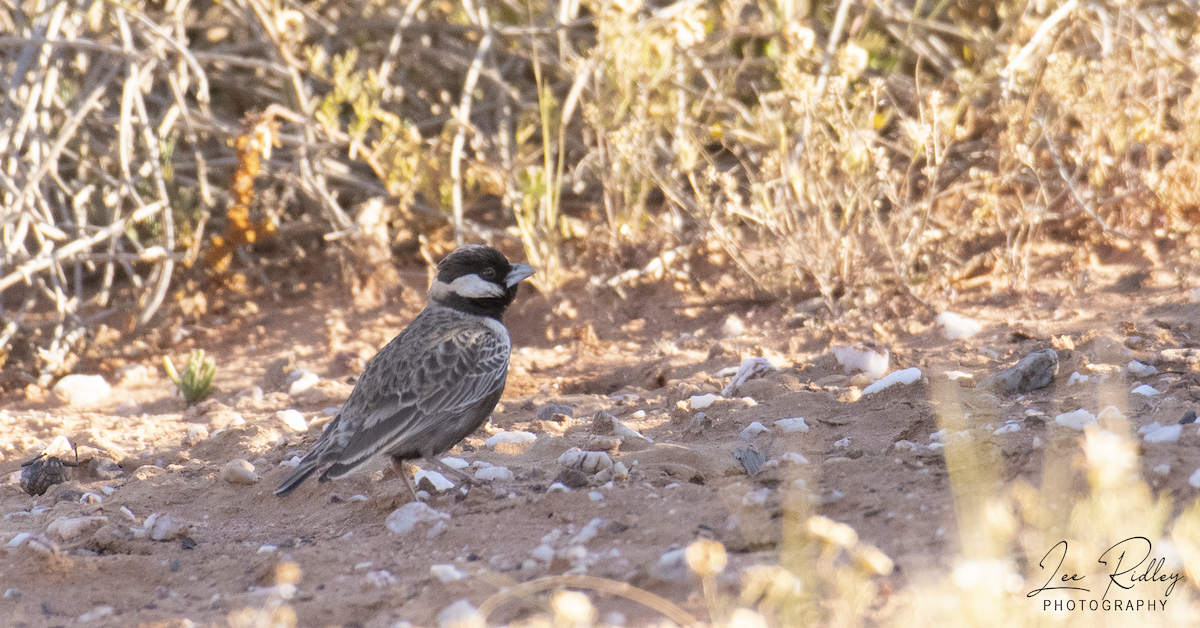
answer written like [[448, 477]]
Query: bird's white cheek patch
[[475, 287]]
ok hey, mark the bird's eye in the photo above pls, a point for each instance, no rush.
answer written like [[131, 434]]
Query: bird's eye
[[488, 273]]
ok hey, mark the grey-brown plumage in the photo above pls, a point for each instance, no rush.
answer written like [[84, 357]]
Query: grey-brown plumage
[[433, 384]]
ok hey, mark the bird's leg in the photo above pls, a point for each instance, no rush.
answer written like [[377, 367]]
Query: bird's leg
[[398, 465]]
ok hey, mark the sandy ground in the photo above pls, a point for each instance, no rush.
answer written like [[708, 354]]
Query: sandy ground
[[642, 360]]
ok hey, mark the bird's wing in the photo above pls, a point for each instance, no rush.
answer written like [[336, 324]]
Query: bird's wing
[[441, 385]]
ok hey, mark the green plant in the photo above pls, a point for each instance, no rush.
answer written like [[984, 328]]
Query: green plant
[[196, 381]]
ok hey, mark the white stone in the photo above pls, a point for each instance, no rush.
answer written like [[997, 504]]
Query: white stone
[[558, 487], [1146, 429], [590, 462], [907, 376], [905, 445], [754, 429], [238, 471], [303, 383], [1076, 378], [519, 437], [794, 458], [460, 614], [380, 578], [955, 326], [446, 572], [17, 540], [1110, 413], [748, 369], [82, 390], [1137, 369], [439, 481], [672, 566], [96, 613], [1078, 419], [1163, 469], [845, 442], [291, 463], [455, 463], [595, 495], [865, 359], [494, 473], [588, 532], [1010, 426], [164, 527], [195, 434], [543, 552], [68, 528], [1165, 434], [409, 515], [788, 426], [698, 402], [1148, 391], [292, 419], [1194, 480], [756, 498], [733, 326], [957, 375]]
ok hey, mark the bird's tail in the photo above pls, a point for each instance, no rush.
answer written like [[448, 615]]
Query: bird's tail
[[307, 467]]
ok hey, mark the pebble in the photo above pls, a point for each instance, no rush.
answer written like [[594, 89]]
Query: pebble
[[1032, 372], [438, 481], [698, 402], [751, 458], [733, 326], [446, 573], [406, 517], [455, 463], [195, 434], [17, 540], [494, 473], [672, 566], [1194, 480], [827, 496], [869, 360], [460, 614], [96, 613], [590, 462], [1148, 391], [238, 471], [253, 393], [292, 419], [794, 458], [1009, 426], [291, 463], [905, 445], [788, 426], [906, 377], [543, 552], [1137, 369], [1076, 378], [1189, 417], [164, 527], [381, 578], [588, 532], [548, 412], [754, 429], [1163, 469], [558, 487], [955, 326], [79, 391], [303, 383], [595, 496], [514, 437], [1078, 419], [1165, 434]]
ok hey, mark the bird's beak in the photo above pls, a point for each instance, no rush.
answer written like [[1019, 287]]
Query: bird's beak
[[519, 273]]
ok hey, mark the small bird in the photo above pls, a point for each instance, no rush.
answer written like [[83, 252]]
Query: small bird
[[433, 384]]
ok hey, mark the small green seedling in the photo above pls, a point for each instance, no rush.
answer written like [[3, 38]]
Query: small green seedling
[[196, 382]]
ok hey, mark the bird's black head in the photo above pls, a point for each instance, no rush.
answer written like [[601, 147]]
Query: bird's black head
[[479, 280]]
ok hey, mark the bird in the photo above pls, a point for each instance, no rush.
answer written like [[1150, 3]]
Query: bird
[[435, 382]]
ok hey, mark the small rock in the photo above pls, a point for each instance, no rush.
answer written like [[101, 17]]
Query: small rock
[[238, 471], [105, 468], [434, 482], [749, 368], [906, 377], [195, 434], [1032, 372], [571, 478], [96, 613], [754, 429], [699, 424], [697, 402], [733, 327], [164, 527], [1166, 434], [1162, 469], [303, 383], [292, 419], [955, 326], [406, 517], [446, 573], [869, 360], [1194, 480], [79, 391], [460, 615], [672, 566], [380, 578], [1137, 369], [1148, 391], [494, 473], [1078, 419], [788, 426], [513, 443], [548, 412], [589, 462], [250, 393], [1189, 417], [70, 528]]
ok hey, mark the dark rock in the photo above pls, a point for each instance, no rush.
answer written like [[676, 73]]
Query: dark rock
[[1032, 372], [572, 478]]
